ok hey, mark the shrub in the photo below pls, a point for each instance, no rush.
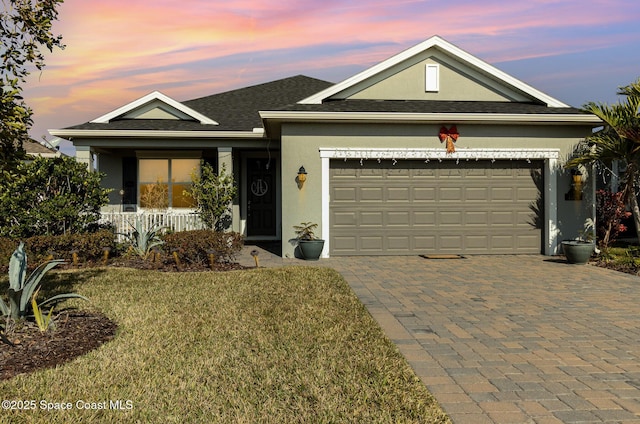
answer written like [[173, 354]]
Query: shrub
[[610, 211], [68, 198], [213, 195], [89, 246], [195, 246]]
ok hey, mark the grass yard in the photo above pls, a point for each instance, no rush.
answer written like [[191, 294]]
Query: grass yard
[[281, 345]]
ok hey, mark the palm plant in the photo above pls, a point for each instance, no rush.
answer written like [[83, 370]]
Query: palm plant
[[618, 140]]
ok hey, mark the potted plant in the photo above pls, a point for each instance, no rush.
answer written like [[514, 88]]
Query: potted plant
[[310, 246], [579, 251]]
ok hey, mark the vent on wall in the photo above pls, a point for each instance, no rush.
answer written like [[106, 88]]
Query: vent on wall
[[432, 78]]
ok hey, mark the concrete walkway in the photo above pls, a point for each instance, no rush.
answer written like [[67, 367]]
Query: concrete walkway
[[508, 339]]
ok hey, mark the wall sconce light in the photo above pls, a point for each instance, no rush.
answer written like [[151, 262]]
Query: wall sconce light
[[575, 190], [302, 176]]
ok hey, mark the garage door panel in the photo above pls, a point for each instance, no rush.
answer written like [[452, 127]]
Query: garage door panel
[[525, 217], [344, 194], [502, 218], [397, 172], [480, 194], [451, 241], [524, 194], [371, 194], [371, 243], [424, 218], [480, 173], [398, 194], [344, 244], [416, 207], [476, 218], [450, 217], [450, 194], [347, 218], [423, 194], [424, 243], [399, 243], [502, 242], [480, 242], [400, 218], [530, 241], [502, 193], [375, 219]]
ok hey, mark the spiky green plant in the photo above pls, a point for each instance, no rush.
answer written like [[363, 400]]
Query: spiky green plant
[[22, 288], [144, 239], [44, 322]]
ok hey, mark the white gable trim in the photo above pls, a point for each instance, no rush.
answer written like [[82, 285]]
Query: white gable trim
[[449, 48], [149, 98]]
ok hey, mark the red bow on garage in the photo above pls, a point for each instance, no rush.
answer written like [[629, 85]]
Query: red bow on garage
[[450, 136]]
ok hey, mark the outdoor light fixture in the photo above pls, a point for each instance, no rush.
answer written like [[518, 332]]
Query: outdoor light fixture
[[575, 189], [302, 176]]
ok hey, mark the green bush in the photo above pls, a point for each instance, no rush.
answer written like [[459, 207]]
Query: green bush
[[213, 194], [50, 196], [195, 246], [89, 247]]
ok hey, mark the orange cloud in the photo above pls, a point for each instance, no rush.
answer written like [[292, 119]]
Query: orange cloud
[[118, 51]]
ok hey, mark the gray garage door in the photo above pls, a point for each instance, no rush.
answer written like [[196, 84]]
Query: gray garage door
[[413, 207]]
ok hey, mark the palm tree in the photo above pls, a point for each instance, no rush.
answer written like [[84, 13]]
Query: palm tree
[[618, 140]]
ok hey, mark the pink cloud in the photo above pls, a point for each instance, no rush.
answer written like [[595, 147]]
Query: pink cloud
[[117, 50]]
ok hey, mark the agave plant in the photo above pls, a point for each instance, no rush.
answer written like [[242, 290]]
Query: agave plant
[[143, 240], [21, 287]]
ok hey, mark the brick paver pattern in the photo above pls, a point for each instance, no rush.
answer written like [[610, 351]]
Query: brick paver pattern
[[509, 339]]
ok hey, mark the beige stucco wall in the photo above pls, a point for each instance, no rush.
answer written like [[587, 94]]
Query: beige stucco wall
[[406, 81], [301, 144]]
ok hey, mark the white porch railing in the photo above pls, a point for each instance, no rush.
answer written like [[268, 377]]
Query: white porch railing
[[170, 219]]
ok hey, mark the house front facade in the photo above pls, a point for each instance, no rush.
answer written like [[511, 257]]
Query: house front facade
[[430, 151]]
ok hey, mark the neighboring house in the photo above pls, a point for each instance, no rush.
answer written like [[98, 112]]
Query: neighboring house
[[379, 179], [33, 148]]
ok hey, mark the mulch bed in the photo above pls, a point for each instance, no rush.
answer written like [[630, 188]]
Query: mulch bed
[[75, 333], [626, 268]]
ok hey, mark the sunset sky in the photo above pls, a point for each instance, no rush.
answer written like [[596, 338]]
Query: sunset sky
[[118, 51]]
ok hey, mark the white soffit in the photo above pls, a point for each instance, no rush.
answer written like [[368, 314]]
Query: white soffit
[[150, 98], [450, 49]]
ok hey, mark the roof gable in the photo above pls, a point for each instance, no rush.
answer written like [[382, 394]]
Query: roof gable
[[155, 105], [434, 70]]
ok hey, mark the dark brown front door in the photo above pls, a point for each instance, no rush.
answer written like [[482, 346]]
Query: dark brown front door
[[261, 197]]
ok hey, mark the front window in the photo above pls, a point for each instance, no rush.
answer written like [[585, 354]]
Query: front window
[[163, 182]]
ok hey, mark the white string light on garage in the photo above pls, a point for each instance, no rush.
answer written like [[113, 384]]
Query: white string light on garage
[[427, 155]]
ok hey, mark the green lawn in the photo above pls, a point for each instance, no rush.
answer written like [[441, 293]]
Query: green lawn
[[279, 345]]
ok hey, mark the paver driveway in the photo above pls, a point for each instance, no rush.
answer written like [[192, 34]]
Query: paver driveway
[[509, 339]]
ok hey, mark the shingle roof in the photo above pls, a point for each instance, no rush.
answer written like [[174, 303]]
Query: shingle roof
[[235, 110], [32, 147], [238, 110], [430, 106]]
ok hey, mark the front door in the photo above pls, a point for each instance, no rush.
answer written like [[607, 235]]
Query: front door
[[261, 197]]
